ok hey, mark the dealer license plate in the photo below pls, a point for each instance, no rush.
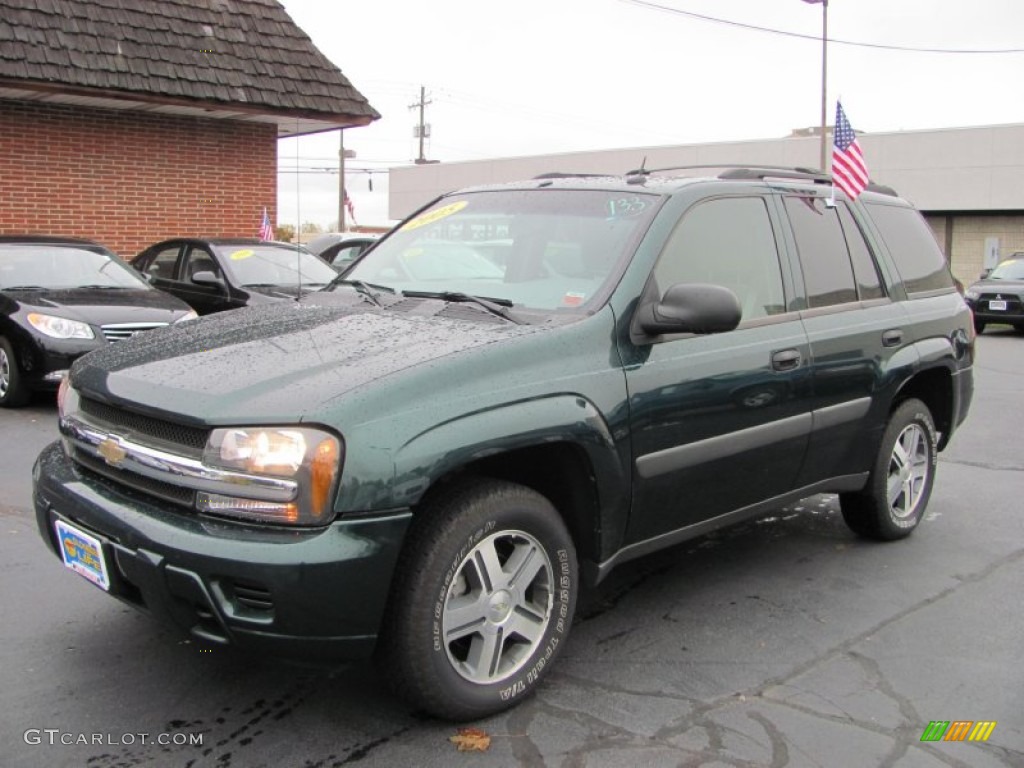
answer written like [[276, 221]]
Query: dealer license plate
[[83, 554], [996, 305]]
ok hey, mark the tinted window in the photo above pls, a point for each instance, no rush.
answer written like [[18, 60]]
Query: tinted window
[[821, 245], [161, 264], [912, 245], [727, 242], [864, 268]]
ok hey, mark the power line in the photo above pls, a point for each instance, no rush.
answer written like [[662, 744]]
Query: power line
[[816, 38]]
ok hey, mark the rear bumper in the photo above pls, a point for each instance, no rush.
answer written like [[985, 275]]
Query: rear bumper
[[310, 595]]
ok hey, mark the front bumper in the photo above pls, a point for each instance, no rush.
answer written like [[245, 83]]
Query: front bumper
[[310, 595]]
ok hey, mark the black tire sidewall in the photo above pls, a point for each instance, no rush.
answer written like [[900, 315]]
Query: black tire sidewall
[[496, 507], [909, 413], [17, 394]]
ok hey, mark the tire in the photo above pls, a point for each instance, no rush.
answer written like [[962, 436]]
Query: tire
[[979, 326], [13, 391], [896, 495], [463, 637]]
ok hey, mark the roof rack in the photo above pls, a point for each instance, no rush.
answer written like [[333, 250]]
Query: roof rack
[[757, 172], [562, 175]]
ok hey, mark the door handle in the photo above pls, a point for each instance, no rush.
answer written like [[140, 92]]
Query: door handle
[[786, 359], [892, 338]]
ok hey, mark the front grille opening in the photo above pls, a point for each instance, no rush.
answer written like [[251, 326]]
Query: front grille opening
[[122, 479], [252, 597], [118, 420]]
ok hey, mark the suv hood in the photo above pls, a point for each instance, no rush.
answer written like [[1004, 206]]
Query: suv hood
[[271, 363]]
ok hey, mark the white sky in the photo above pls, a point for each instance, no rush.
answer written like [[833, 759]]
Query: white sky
[[549, 76]]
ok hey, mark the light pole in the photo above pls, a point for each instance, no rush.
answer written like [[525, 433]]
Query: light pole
[[824, 75]]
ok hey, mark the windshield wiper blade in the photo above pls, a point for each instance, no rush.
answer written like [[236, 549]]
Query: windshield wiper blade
[[24, 288], [369, 290], [493, 305]]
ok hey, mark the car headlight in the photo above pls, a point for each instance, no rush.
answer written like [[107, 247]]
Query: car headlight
[[59, 327], [310, 457], [972, 294], [190, 315]]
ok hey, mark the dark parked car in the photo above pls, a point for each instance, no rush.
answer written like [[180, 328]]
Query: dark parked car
[[341, 249], [62, 297], [431, 457], [999, 296], [213, 275]]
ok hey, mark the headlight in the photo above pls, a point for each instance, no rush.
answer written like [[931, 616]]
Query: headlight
[[972, 294], [191, 315], [310, 457], [59, 327]]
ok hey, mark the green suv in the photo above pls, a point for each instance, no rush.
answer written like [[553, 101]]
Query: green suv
[[519, 388]]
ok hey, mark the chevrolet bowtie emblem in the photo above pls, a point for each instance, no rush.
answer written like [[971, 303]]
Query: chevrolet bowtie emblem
[[111, 451]]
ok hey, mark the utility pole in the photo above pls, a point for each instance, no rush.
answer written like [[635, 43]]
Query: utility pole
[[422, 130], [343, 154], [824, 82], [341, 179]]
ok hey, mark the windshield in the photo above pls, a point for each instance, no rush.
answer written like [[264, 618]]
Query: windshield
[[1009, 270], [543, 249], [274, 265], [60, 267]]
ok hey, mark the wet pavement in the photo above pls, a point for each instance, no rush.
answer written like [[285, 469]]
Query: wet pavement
[[782, 642]]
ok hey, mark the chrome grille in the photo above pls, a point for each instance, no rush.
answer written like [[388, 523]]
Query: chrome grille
[[173, 493], [121, 331]]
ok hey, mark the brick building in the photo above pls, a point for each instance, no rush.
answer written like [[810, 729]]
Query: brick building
[[129, 122]]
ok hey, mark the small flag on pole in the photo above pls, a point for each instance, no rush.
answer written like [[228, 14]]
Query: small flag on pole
[[266, 231], [849, 171]]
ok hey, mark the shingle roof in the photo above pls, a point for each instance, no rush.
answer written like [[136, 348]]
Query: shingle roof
[[237, 52]]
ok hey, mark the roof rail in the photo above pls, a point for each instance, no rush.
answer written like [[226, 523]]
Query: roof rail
[[767, 172], [561, 175]]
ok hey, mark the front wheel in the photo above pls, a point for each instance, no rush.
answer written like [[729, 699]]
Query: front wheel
[[896, 496], [979, 326], [482, 601], [13, 391]]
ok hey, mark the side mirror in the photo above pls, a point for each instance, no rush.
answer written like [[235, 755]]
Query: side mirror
[[985, 273], [691, 308]]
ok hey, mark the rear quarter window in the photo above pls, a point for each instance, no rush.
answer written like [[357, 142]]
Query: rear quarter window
[[918, 259]]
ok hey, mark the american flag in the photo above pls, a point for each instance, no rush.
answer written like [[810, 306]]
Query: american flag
[[266, 231], [849, 170]]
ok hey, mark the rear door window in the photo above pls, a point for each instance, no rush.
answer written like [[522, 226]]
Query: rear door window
[[821, 246]]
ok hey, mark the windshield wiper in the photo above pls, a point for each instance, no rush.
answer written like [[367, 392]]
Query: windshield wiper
[[493, 305], [369, 290], [24, 288], [98, 287]]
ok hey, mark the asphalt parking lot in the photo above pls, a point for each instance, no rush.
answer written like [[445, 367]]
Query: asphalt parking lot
[[782, 642]]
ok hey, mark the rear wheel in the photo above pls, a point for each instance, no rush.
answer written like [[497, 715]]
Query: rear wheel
[[896, 496], [13, 391], [482, 601]]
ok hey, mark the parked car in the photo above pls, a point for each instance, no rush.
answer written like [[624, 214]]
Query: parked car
[[999, 296], [430, 458], [216, 274], [61, 297], [341, 249]]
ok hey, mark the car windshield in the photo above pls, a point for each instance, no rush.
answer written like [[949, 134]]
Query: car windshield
[[61, 267], [539, 249], [1009, 270], [263, 264]]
